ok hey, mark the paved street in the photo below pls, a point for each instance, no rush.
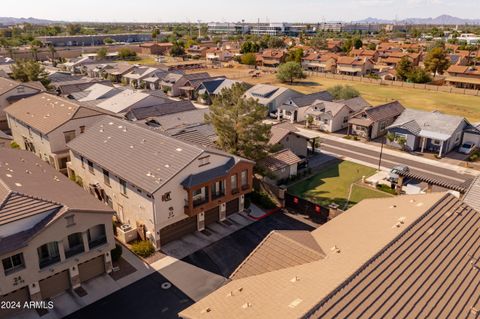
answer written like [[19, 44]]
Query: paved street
[[371, 156], [144, 299], [225, 255]]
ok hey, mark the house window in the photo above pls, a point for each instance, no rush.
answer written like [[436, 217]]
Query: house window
[[106, 177], [325, 121], [345, 119], [90, 167], [48, 254], [20, 89], [123, 186], [436, 142], [82, 161], [75, 245], [233, 183], [244, 178], [69, 135], [70, 220], [383, 125], [96, 236], [62, 162], [82, 129], [166, 197], [218, 189], [13, 263]]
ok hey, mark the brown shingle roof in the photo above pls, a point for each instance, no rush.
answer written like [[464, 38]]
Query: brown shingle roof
[[7, 85], [280, 160], [45, 112], [279, 250], [429, 271], [379, 113]]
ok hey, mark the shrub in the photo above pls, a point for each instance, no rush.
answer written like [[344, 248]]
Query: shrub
[[386, 189], [116, 252], [14, 145], [348, 137], [143, 248], [340, 92], [475, 156], [262, 200]]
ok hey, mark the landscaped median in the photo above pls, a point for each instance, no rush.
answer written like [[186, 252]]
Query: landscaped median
[[334, 184]]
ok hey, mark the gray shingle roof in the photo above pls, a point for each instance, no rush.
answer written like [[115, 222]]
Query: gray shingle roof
[[140, 156], [384, 111], [416, 121], [169, 107], [308, 99]]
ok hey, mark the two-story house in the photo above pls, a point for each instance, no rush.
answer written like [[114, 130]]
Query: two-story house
[[160, 186], [44, 123], [12, 91], [54, 236], [356, 66]]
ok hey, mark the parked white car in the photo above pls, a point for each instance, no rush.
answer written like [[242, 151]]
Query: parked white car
[[466, 148]]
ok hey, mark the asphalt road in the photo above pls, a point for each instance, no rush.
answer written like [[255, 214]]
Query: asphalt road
[[144, 299], [389, 161], [224, 256]]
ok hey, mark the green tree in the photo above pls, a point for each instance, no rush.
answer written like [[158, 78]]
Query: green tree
[[295, 55], [372, 46], [347, 45], [419, 75], [357, 43], [73, 29], [102, 53], [249, 47], [248, 59], [341, 92], [155, 33], [275, 42], [238, 123], [26, 71], [290, 71], [177, 49], [127, 54], [404, 68], [52, 51], [108, 41], [319, 43], [436, 60]]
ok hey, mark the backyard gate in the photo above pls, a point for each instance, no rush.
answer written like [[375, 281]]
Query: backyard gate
[[302, 206]]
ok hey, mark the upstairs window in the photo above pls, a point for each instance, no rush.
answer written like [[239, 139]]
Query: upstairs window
[[69, 135], [13, 263]]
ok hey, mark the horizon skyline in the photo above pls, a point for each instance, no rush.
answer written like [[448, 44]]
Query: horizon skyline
[[308, 11]]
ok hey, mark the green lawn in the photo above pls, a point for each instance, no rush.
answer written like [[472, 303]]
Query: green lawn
[[332, 185]]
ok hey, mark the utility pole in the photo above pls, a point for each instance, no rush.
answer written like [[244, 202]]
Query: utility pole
[[381, 153]]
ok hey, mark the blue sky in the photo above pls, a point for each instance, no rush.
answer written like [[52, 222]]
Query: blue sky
[[224, 10]]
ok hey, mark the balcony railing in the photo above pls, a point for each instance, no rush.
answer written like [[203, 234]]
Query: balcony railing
[[45, 262], [218, 195], [245, 187], [235, 191], [97, 242], [200, 201], [74, 251]]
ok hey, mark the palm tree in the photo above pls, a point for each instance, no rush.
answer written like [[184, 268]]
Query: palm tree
[[52, 51]]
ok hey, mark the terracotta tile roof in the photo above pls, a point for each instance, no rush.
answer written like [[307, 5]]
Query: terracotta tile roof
[[279, 160], [468, 70], [278, 132], [45, 112], [279, 250], [349, 241]]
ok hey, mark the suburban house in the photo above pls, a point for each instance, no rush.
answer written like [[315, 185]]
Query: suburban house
[[155, 48], [363, 53], [210, 88], [320, 62], [172, 123], [356, 66], [96, 91], [281, 165], [399, 266], [465, 77], [12, 91], [160, 186], [270, 96], [5, 139], [290, 137], [55, 237], [115, 72], [328, 116], [174, 84], [215, 55], [44, 123], [153, 81], [128, 100], [372, 122], [426, 131], [295, 107], [150, 113], [135, 77], [273, 57]]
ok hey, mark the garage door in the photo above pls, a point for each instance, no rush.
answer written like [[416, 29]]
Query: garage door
[[20, 295], [178, 230], [54, 285], [212, 215], [233, 206], [92, 268]]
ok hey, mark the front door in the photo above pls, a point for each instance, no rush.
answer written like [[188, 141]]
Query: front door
[[201, 221]]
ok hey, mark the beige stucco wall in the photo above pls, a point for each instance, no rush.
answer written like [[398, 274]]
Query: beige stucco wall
[[57, 231]]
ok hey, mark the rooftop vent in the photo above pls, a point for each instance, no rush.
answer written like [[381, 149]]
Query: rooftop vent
[[295, 303], [247, 305]]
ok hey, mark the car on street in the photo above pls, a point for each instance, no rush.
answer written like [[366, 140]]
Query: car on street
[[396, 171]]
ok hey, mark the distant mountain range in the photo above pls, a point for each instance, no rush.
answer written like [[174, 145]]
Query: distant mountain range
[[12, 21], [440, 20]]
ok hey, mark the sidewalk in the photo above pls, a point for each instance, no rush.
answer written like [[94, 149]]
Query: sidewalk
[[400, 154]]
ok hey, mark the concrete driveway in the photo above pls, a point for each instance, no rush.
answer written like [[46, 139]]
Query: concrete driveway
[[224, 256]]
